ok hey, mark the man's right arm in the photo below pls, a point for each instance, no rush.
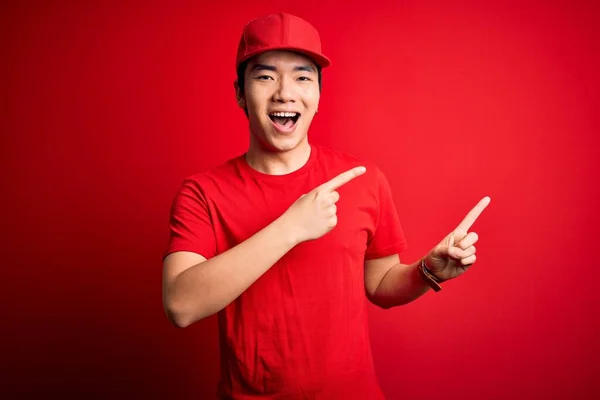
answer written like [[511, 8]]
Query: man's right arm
[[195, 288]]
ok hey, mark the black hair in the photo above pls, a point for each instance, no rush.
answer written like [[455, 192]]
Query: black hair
[[241, 78]]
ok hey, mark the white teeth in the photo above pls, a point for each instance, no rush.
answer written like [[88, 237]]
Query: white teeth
[[284, 114]]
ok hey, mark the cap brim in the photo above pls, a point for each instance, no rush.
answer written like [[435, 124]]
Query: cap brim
[[319, 59]]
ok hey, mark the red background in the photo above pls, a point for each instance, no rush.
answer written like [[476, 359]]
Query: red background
[[106, 108]]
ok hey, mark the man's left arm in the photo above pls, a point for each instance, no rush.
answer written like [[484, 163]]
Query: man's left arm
[[389, 283]]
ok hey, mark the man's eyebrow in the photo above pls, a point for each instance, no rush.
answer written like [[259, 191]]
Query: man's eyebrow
[[263, 67], [266, 67], [307, 68]]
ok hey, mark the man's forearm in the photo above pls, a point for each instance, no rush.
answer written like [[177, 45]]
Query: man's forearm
[[400, 285], [210, 286]]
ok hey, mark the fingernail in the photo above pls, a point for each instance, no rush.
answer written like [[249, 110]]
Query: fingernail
[[361, 169]]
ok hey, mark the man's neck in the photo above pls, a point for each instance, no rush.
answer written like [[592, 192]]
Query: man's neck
[[278, 162]]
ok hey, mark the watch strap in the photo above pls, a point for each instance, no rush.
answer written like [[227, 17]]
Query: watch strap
[[428, 277]]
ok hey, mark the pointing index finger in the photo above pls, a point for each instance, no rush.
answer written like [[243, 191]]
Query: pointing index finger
[[343, 178], [472, 216]]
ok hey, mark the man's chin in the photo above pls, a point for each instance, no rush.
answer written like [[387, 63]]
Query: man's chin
[[281, 144]]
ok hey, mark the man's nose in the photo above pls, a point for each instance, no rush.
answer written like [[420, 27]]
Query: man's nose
[[285, 91]]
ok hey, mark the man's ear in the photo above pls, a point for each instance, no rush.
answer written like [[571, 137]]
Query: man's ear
[[238, 94]]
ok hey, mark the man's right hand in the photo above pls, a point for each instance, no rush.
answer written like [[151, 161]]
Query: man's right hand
[[315, 213]]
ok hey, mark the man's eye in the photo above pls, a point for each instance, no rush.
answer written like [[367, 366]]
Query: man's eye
[[264, 77], [304, 78]]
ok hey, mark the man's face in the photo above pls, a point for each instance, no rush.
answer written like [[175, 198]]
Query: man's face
[[281, 94]]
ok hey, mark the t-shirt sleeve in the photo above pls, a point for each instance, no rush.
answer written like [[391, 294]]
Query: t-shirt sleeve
[[388, 237], [190, 224]]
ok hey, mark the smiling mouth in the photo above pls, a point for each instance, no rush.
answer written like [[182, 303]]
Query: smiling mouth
[[284, 120]]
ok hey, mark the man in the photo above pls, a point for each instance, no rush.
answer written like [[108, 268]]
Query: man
[[289, 241]]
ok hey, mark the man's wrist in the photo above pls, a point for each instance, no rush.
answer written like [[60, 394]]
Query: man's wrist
[[430, 279], [289, 236]]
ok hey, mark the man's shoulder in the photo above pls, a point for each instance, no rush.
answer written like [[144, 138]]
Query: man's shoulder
[[210, 181], [216, 173]]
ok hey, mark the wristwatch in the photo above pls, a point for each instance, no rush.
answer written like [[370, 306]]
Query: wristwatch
[[428, 277]]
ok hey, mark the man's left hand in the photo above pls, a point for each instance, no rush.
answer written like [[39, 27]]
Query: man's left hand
[[456, 252]]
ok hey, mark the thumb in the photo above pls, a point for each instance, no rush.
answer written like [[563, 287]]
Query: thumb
[[452, 251], [451, 240]]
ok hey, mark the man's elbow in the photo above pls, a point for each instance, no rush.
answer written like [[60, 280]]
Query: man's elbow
[[177, 320], [376, 301], [385, 302], [178, 316], [381, 304]]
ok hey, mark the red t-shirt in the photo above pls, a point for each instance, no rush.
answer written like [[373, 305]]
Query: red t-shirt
[[300, 331]]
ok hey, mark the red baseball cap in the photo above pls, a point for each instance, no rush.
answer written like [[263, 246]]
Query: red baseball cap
[[280, 31]]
